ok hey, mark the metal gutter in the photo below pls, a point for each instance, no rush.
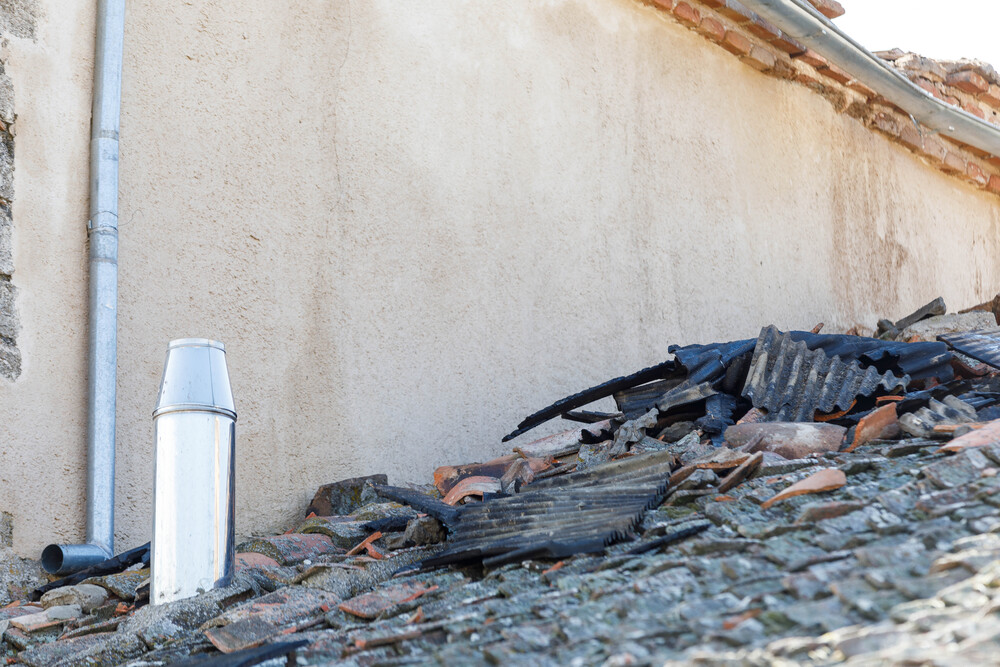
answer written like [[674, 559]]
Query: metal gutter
[[804, 23], [102, 348]]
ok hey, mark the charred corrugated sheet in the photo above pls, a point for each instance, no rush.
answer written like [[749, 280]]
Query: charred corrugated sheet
[[918, 360], [543, 523], [603, 390], [792, 382], [650, 468], [575, 513], [982, 345]]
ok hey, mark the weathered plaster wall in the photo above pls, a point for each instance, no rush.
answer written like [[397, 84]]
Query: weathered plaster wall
[[412, 223]]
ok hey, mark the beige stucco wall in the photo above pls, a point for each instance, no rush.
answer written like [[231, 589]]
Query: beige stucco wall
[[413, 223]]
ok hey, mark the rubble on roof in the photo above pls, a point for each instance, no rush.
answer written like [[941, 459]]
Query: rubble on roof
[[690, 530]]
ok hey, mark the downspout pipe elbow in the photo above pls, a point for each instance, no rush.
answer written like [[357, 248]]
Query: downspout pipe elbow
[[70, 558], [102, 343]]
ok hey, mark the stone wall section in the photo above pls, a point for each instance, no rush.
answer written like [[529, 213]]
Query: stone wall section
[[17, 20], [970, 85], [10, 355]]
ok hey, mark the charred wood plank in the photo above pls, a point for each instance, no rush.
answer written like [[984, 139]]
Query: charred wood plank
[[580, 399], [589, 416], [421, 502]]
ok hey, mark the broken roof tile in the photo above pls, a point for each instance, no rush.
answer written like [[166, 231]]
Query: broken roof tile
[[790, 440], [989, 434], [472, 486], [290, 548], [370, 605], [881, 423], [824, 480]]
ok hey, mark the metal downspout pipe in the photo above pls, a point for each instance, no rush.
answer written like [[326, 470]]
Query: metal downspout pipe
[[802, 22], [102, 346]]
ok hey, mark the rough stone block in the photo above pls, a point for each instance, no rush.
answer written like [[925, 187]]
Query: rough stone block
[[345, 496], [8, 315], [10, 360], [6, 243], [87, 596]]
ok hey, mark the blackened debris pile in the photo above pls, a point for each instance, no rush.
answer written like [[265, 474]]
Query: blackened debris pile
[[703, 422]]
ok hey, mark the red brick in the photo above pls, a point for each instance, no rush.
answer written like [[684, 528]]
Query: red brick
[[910, 136], [952, 100], [831, 9], [994, 184], [885, 123], [787, 44], [854, 84], [878, 100], [760, 58], [736, 43], [835, 73], [974, 109], [991, 96], [810, 57], [969, 81], [712, 29], [736, 11], [935, 150], [976, 174], [994, 161], [714, 4], [978, 152], [782, 69], [807, 80], [953, 163], [663, 4], [929, 86], [687, 14], [763, 29]]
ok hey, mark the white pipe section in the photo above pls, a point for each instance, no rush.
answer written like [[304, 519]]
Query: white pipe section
[[802, 22]]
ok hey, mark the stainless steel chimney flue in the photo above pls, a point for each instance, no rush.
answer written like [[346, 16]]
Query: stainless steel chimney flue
[[194, 430]]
